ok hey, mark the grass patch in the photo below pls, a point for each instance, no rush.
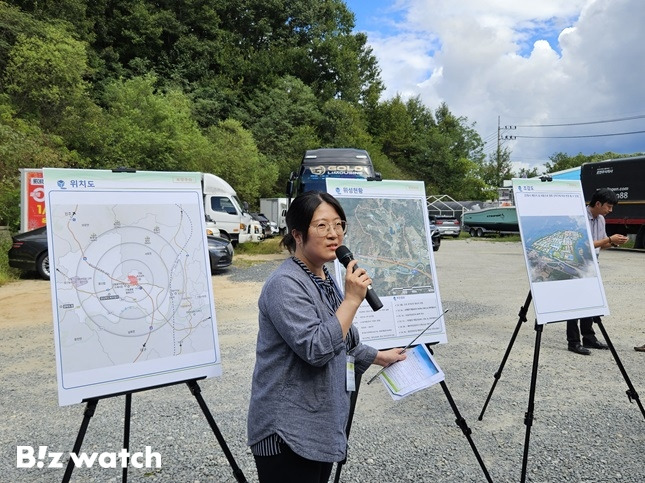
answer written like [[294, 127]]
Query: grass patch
[[490, 237], [7, 274], [270, 246]]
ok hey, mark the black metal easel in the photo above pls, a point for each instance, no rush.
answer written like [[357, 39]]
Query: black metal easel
[[528, 416], [194, 389], [460, 421]]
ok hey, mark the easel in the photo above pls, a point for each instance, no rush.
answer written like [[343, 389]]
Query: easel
[[194, 389], [528, 416], [460, 421]]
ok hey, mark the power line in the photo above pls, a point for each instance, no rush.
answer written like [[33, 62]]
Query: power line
[[631, 118], [575, 137]]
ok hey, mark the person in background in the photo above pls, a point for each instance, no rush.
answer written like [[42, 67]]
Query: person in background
[[602, 202], [307, 350]]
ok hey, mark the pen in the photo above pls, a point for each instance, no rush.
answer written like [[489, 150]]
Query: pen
[[407, 346]]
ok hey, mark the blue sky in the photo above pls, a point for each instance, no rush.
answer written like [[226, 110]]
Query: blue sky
[[528, 63]]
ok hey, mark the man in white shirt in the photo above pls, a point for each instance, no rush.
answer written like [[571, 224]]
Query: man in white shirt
[[602, 203]]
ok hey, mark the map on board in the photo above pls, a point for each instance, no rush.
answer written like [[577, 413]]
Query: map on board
[[390, 235], [131, 288], [557, 248], [388, 232]]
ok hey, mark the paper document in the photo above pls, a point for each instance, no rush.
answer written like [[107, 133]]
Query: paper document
[[418, 371]]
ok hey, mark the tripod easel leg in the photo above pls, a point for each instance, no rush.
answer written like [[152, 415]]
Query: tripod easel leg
[[126, 434], [87, 415], [461, 422], [528, 416], [631, 392], [498, 374], [197, 392]]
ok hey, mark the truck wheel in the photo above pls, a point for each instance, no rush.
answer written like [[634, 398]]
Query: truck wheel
[[472, 232], [42, 266], [480, 232]]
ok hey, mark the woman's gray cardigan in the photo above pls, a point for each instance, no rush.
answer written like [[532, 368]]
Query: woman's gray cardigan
[[299, 387]]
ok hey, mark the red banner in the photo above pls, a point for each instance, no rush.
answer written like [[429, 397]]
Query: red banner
[[34, 199]]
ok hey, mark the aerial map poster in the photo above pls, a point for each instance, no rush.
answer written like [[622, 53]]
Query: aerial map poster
[[388, 232], [130, 280], [558, 248]]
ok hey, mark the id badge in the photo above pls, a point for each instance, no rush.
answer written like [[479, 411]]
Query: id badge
[[351, 378]]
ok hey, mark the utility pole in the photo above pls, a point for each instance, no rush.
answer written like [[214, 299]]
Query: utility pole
[[500, 139]]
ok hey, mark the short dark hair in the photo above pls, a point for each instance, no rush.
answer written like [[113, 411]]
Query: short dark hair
[[604, 195], [301, 211]]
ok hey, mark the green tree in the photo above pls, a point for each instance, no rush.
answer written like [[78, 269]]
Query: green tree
[[150, 130], [282, 118], [44, 75], [236, 158], [343, 125], [24, 145], [561, 161], [446, 155], [527, 172], [497, 169]]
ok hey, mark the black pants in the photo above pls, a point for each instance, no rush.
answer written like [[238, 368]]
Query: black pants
[[288, 467], [586, 329]]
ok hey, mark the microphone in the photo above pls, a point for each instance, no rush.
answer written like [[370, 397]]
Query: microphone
[[344, 257]]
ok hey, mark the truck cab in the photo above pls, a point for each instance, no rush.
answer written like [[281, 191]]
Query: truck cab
[[319, 164], [224, 208]]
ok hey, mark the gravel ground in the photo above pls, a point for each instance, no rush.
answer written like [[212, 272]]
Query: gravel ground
[[584, 427]]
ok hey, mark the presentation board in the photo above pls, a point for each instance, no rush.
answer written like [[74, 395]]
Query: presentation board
[[388, 232], [558, 248], [131, 288]]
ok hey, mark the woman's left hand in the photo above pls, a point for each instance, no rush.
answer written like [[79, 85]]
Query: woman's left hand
[[387, 357]]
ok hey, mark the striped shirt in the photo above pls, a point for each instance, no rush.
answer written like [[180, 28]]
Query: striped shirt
[[270, 446]]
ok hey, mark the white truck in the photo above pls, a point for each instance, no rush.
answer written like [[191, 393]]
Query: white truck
[[223, 207], [275, 209]]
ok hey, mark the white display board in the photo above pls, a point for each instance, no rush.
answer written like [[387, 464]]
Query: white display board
[[558, 248], [388, 232], [130, 279]]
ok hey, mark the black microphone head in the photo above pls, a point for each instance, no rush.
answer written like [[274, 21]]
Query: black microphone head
[[344, 255]]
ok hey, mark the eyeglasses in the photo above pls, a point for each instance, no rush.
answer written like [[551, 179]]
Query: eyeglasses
[[323, 227]]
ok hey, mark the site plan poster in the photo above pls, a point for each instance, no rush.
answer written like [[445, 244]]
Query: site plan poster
[[130, 278], [558, 248], [388, 232]]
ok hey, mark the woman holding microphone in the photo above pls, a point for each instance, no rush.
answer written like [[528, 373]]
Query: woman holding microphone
[[307, 350]]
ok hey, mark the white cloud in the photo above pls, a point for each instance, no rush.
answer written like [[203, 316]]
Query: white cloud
[[535, 62]]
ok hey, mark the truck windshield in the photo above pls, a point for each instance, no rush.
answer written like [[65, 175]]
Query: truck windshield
[[310, 181], [238, 204]]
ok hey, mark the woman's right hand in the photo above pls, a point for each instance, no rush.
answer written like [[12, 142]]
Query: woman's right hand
[[356, 282]]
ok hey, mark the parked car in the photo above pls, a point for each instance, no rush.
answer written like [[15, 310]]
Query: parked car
[[264, 222], [220, 252], [435, 236], [29, 252], [274, 228], [211, 227], [447, 225]]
